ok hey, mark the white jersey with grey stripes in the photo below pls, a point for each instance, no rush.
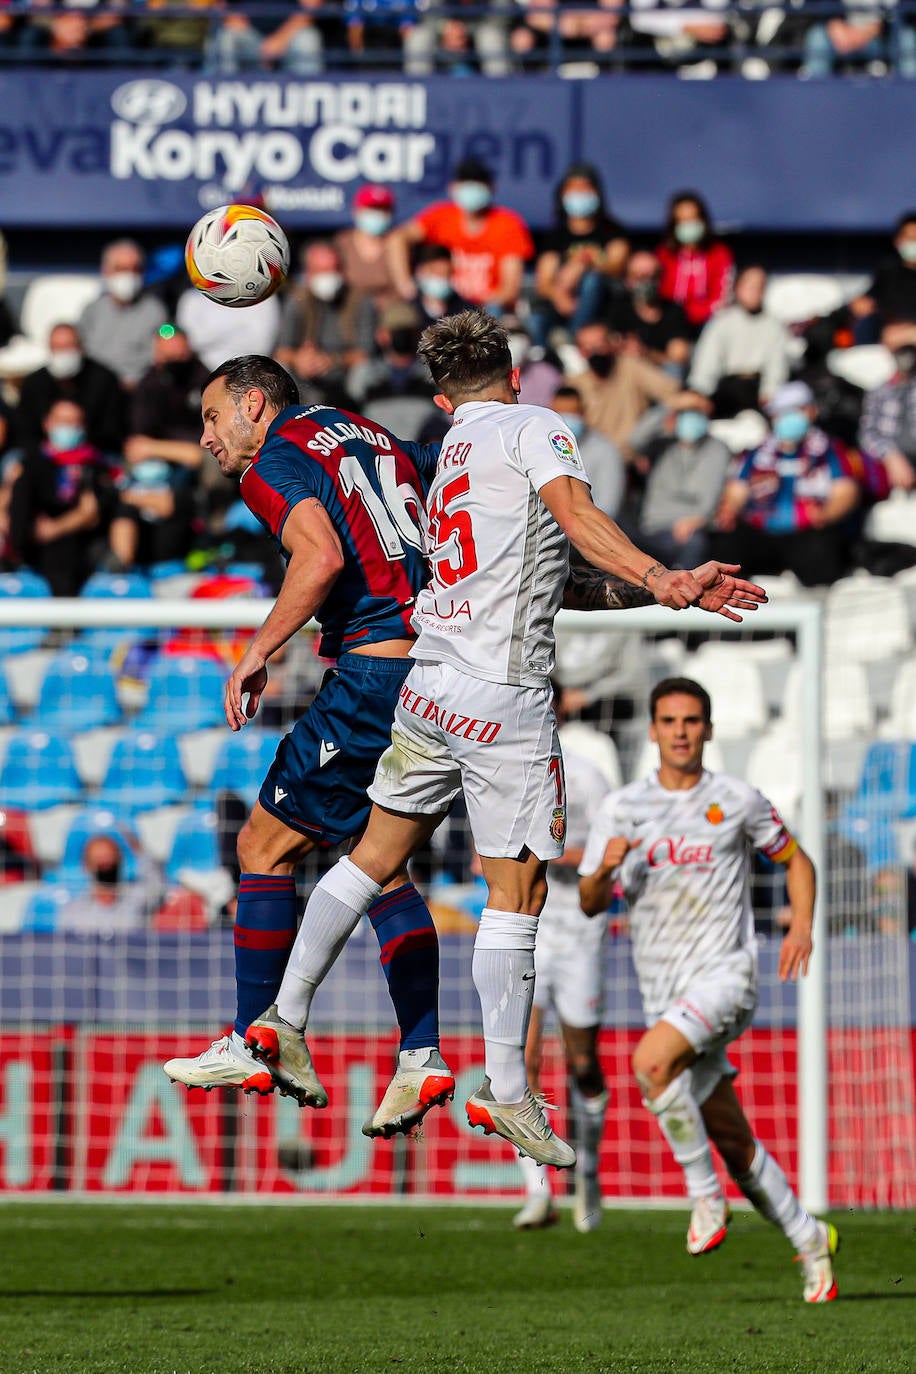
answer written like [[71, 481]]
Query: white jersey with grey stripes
[[498, 558]]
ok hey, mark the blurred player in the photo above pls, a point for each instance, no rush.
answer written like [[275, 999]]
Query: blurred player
[[342, 498], [680, 844], [475, 714], [569, 980]]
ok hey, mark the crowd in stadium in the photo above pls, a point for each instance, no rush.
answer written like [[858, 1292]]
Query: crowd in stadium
[[463, 37]]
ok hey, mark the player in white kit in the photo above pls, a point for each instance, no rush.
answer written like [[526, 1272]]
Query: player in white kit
[[680, 842], [569, 981], [475, 712]]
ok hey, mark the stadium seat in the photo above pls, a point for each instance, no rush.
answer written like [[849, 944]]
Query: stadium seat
[[775, 768], [41, 911], [846, 701], [800, 296], [866, 365], [185, 693], [595, 745], [17, 852], [7, 708], [77, 693], [901, 721], [89, 821], [144, 772], [38, 772], [199, 750], [242, 762], [104, 586], [16, 639], [53, 298], [866, 620], [15, 901], [195, 847], [735, 685], [747, 429], [893, 519]]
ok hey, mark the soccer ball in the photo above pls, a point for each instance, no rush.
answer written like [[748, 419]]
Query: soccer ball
[[237, 255]]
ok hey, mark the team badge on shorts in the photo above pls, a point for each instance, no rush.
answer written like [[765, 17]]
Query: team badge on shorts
[[714, 814], [564, 447], [558, 824]]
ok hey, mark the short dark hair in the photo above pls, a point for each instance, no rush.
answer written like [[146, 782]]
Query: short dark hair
[[255, 369], [472, 169], [466, 353], [686, 686], [908, 217], [567, 393], [431, 252]]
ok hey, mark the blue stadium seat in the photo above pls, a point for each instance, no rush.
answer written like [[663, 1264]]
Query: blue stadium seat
[[104, 586], [77, 693], [144, 772], [19, 639], [41, 913], [92, 820], [242, 762], [886, 794], [196, 845], [38, 772], [7, 709], [185, 693]]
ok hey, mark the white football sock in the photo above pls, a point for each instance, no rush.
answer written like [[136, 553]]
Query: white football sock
[[685, 1131], [766, 1186], [503, 971], [588, 1114], [333, 912], [537, 1184]]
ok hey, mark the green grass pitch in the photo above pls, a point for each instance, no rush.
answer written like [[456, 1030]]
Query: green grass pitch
[[162, 1289]]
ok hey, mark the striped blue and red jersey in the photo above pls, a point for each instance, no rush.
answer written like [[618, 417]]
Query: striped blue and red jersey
[[373, 487]]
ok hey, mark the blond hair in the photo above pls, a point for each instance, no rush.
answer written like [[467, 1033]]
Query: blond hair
[[466, 353]]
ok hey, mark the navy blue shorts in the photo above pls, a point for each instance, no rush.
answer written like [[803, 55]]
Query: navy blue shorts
[[317, 782]]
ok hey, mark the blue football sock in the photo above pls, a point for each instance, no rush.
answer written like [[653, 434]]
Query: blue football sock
[[265, 928], [409, 955]]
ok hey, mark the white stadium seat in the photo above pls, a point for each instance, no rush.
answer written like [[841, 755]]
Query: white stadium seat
[[893, 519], [57, 298], [734, 682], [800, 296], [866, 620], [775, 769], [866, 365], [847, 704]]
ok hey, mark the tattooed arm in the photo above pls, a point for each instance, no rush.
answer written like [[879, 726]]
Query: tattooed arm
[[589, 589]]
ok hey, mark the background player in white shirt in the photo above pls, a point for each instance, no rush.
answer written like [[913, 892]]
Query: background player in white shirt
[[569, 981], [475, 713], [680, 843]]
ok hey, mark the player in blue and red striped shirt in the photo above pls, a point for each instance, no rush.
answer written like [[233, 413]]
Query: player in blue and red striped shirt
[[343, 499]]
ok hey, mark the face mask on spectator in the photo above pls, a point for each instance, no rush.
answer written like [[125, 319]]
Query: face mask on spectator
[[690, 426], [64, 437], [689, 231], [575, 424], [581, 204], [791, 426], [905, 359], [374, 222], [907, 250], [602, 364], [472, 196], [152, 472], [109, 875], [324, 286], [437, 288], [645, 290], [124, 286], [66, 362]]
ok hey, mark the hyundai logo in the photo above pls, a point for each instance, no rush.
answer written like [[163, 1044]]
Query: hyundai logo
[[149, 102]]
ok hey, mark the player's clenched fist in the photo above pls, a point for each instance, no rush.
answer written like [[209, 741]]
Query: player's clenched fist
[[617, 850]]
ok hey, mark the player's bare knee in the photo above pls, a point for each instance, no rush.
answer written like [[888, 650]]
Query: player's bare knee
[[651, 1073]]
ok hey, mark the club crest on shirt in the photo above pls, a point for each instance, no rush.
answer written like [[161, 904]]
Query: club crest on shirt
[[558, 824], [564, 447], [714, 814]]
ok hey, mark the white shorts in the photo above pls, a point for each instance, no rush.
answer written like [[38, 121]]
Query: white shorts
[[713, 1012], [569, 965], [497, 744]]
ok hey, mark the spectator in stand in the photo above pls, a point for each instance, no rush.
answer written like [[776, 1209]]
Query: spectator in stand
[[684, 36], [327, 328], [365, 249], [588, 31], [6, 319], [117, 328], [687, 469], [73, 35], [859, 36], [396, 370], [742, 354], [657, 326], [181, 34], [893, 290], [153, 521], [244, 41], [788, 505], [457, 45], [488, 243], [216, 333], [697, 268], [582, 258], [888, 428], [59, 501], [432, 275], [603, 463], [616, 387], [111, 905], [69, 375], [540, 371], [379, 26]]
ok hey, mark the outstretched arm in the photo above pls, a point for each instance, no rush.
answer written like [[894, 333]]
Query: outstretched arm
[[589, 589]]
